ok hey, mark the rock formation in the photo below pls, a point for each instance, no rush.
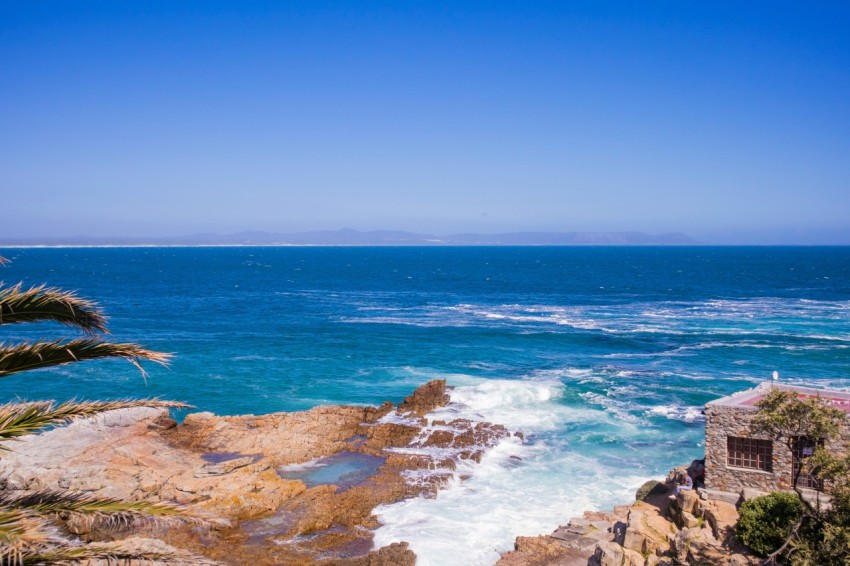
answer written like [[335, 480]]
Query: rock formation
[[231, 472], [657, 531]]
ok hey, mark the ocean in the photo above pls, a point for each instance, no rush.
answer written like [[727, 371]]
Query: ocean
[[602, 356]]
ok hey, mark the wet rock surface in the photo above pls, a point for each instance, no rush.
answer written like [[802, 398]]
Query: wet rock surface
[[232, 472]]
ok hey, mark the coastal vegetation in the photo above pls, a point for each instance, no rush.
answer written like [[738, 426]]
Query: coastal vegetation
[[804, 532], [30, 525], [764, 522]]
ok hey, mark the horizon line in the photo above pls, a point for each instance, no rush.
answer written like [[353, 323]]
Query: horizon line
[[465, 245]]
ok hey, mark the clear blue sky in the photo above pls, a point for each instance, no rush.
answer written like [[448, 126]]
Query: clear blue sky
[[729, 121]]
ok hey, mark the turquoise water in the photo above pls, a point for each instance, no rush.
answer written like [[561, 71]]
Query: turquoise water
[[343, 469], [602, 356]]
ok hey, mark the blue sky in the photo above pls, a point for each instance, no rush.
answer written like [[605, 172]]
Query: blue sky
[[729, 121]]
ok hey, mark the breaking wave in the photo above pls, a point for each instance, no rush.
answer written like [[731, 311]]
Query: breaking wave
[[518, 488]]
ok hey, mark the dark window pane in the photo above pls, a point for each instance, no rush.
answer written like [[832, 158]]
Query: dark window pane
[[804, 448], [749, 453]]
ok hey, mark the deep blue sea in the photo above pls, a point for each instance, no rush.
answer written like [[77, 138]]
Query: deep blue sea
[[602, 356]]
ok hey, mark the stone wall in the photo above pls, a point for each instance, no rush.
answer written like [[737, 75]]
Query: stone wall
[[723, 421]]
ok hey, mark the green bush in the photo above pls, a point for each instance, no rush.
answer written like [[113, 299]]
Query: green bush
[[765, 522]]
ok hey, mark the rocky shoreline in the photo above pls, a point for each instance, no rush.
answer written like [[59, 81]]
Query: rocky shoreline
[[301, 488], [655, 530], [231, 473]]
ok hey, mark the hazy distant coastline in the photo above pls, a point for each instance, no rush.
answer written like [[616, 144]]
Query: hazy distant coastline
[[349, 237]]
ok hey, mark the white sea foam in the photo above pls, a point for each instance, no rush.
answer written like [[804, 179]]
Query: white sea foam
[[517, 488], [678, 412], [619, 408], [720, 316], [394, 418]]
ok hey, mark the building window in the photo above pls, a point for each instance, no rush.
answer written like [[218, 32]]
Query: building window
[[749, 453], [804, 448]]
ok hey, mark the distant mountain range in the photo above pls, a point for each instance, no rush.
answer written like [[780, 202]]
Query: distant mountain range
[[349, 237]]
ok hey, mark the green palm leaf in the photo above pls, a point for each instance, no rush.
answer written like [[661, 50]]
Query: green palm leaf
[[20, 532], [48, 303], [106, 513], [111, 554], [27, 356], [26, 538], [18, 419], [43, 502]]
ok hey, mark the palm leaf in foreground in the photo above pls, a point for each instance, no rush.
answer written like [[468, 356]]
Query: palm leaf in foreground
[[112, 554], [47, 303], [106, 513], [34, 541], [20, 532], [27, 356], [19, 419]]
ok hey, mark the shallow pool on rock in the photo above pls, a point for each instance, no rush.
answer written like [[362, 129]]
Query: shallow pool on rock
[[343, 469]]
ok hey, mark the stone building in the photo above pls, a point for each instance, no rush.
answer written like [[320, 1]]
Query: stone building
[[735, 459]]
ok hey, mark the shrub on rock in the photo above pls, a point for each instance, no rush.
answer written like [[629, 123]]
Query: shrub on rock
[[765, 522]]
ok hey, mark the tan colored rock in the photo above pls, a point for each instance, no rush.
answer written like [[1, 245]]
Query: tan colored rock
[[688, 501], [689, 521], [282, 438], [221, 468], [744, 560], [396, 554], [225, 468], [646, 529], [163, 423], [721, 517], [426, 398], [541, 547], [612, 554], [642, 533]]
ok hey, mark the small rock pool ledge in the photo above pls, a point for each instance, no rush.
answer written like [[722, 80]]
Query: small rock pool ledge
[[291, 488]]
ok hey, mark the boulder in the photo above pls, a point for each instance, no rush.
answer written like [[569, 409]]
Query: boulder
[[612, 554], [396, 554], [649, 489], [426, 398], [688, 501], [721, 518], [690, 521], [646, 530]]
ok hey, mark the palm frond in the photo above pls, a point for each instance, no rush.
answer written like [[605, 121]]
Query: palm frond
[[48, 303], [21, 532], [105, 513], [34, 355], [44, 502], [18, 419], [111, 554], [3, 261]]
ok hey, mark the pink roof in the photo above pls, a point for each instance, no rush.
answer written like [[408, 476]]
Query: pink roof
[[748, 398], [837, 402]]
